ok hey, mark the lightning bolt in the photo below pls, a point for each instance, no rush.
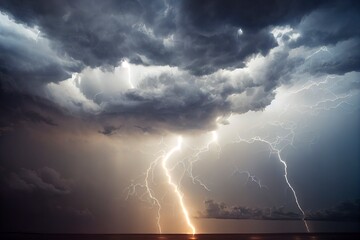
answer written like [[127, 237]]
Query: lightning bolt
[[322, 49], [196, 157], [251, 178], [148, 175], [175, 187], [277, 152], [276, 147], [125, 64], [150, 193]]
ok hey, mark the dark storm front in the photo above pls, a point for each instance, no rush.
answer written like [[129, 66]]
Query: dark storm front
[[302, 236]]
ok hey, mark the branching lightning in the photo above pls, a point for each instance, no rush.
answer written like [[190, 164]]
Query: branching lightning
[[251, 178], [148, 178], [322, 49], [274, 150], [145, 181], [150, 193], [177, 191], [275, 145], [196, 157]]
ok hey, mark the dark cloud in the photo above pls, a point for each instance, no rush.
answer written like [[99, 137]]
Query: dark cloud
[[38, 118], [97, 35], [28, 60], [334, 26], [343, 58], [193, 64], [17, 108], [109, 130], [224, 50], [218, 210], [201, 36], [248, 15], [329, 25], [345, 211], [45, 179], [181, 102], [178, 105]]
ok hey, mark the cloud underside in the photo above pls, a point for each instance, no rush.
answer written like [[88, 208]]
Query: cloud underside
[[192, 62]]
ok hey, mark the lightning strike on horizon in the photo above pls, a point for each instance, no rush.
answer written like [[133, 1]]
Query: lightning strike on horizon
[[277, 152], [148, 176], [326, 101], [177, 191], [275, 147]]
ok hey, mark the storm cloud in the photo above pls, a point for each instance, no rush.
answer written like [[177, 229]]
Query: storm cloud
[[92, 91], [345, 211], [45, 179], [208, 50]]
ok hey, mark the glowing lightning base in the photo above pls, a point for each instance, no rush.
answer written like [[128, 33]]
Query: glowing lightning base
[[179, 195]]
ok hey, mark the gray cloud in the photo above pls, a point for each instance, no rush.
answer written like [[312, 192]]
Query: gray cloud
[[28, 60], [197, 38], [109, 130], [330, 25], [169, 101], [333, 26], [202, 36], [176, 100], [249, 15], [17, 108], [45, 179], [342, 58], [345, 211], [218, 210], [64, 96]]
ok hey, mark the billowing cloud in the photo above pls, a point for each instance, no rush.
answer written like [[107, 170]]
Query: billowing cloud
[[45, 179], [190, 62], [92, 94], [29, 60]]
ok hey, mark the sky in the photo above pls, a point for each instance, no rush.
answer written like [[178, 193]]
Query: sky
[[185, 116]]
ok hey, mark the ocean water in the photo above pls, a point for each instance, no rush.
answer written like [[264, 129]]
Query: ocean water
[[287, 236]]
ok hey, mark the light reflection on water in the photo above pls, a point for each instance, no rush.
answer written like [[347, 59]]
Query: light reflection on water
[[241, 237], [255, 238], [190, 237], [162, 237]]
